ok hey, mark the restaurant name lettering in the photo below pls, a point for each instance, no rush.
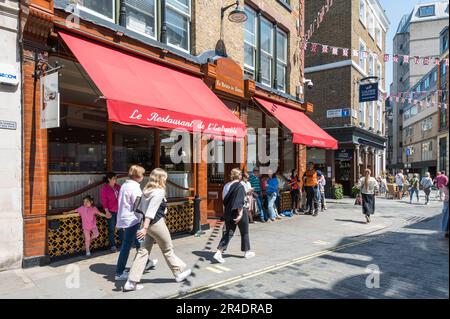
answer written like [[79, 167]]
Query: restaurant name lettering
[[229, 87], [194, 124]]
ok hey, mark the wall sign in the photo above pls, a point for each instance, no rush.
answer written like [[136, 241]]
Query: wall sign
[[49, 101], [8, 74], [338, 113], [8, 125], [230, 78]]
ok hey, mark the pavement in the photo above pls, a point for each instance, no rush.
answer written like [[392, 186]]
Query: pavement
[[401, 254]]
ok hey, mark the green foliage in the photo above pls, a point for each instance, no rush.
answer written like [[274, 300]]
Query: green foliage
[[355, 191], [338, 191]]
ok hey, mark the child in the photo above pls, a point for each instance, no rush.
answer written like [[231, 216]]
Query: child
[[87, 214]]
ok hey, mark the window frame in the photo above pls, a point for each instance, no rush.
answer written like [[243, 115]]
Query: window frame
[[427, 7], [97, 14], [172, 7], [284, 64], [371, 24], [254, 46], [156, 3], [364, 22], [361, 55], [263, 52], [362, 113]]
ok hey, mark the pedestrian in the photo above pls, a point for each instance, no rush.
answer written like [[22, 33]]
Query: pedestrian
[[88, 213], [445, 222], [399, 181], [441, 180], [322, 183], [248, 204], [109, 196], [235, 215], [427, 184], [414, 189], [311, 186], [294, 183], [368, 187], [128, 219], [272, 194], [255, 182], [154, 229]]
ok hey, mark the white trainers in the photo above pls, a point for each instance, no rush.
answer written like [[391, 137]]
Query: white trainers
[[88, 254], [218, 257], [151, 264], [123, 276], [131, 286], [181, 277], [249, 254]]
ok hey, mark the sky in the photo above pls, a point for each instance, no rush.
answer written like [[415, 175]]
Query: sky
[[395, 9]]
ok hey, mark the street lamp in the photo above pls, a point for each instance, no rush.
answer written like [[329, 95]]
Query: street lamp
[[238, 15]]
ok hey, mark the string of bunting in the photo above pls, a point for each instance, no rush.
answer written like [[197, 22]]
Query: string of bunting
[[319, 48], [317, 21], [412, 98]]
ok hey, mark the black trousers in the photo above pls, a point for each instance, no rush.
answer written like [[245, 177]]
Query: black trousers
[[311, 199], [229, 230]]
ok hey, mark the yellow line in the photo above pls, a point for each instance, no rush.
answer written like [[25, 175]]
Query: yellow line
[[214, 270], [222, 283], [222, 268]]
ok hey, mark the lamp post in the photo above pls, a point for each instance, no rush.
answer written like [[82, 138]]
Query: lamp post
[[238, 15]]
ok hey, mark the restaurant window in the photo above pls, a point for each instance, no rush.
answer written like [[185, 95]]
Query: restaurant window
[[426, 11], [289, 162], [282, 57], [104, 9], [132, 145], [362, 11], [141, 16], [254, 122], [250, 43], [178, 19], [362, 59], [266, 52]]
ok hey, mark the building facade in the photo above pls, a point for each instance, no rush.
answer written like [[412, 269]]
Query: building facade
[[356, 25], [10, 137], [417, 35], [443, 87], [178, 61]]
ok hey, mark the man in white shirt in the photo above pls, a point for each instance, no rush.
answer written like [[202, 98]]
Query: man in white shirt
[[399, 180]]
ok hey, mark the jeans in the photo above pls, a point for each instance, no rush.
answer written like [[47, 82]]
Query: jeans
[[229, 230], [262, 214], [444, 225], [322, 200], [129, 236], [427, 194], [412, 191], [271, 198], [111, 230], [311, 198], [295, 195]]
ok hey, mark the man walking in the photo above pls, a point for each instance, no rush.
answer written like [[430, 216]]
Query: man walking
[[257, 192], [441, 180]]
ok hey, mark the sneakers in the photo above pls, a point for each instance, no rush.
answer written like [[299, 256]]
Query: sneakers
[[218, 257], [151, 264], [181, 277], [122, 277], [88, 254], [249, 254], [367, 218], [132, 286]]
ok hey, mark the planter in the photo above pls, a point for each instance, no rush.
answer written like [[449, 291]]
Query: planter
[[338, 191]]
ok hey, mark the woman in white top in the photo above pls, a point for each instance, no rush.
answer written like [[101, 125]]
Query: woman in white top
[[368, 187], [155, 230]]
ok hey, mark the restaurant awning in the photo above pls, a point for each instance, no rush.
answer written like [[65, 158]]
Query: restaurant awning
[[303, 129], [144, 93]]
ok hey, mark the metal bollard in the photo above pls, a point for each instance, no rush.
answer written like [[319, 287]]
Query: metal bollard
[[196, 231]]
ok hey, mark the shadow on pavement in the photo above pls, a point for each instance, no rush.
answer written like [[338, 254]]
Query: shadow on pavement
[[350, 221]]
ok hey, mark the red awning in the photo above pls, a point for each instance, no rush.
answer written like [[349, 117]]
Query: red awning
[[303, 129], [145, 93]]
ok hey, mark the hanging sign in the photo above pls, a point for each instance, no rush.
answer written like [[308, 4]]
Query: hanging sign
[[368, 92], [49, 101]]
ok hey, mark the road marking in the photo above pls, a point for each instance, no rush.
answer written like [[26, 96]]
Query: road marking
[[217, 271], [321, 242], [222, 268], [233, 280]]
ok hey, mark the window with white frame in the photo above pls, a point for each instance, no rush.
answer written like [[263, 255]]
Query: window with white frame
[[282, 58], [371, 65], [378, 36], [250, 43], [362, 59], [380, 116], [362, 114], [427, 151], [178, 20], [427, 124], [379, 73], [266, 52], [362, 11], [105, 8], [371, 23], [371, 106], [141, 16], [409, 131]]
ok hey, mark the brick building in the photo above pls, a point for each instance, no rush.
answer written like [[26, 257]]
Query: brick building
[[169, 59], [359, 127]]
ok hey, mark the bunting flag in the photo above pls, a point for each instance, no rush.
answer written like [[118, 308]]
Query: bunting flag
[[412, 98], [345, 52], [317, 21]]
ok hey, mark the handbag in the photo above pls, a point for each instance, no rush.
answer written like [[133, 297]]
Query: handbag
[[358, 200], [141, 204]]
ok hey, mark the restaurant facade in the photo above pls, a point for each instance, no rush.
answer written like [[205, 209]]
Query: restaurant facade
[[156, 83]]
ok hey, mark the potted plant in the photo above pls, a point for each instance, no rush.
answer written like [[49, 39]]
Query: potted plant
[[355, 191], [338, 191]]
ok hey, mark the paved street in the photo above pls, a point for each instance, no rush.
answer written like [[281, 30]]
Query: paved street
[[299, 257]]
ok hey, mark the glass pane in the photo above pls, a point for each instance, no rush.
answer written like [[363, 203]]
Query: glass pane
[[177, 29], [266, 36], [104, 7], [281, 77], [249, 55], [182, 5], [266, 68], [132, 145], [250, 27], [79, 144], [282, 47], [141, 16], [167, 142]]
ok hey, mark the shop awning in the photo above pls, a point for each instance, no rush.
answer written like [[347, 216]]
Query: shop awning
[[145, 93], [303, 129]]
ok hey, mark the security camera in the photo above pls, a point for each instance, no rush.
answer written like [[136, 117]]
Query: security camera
[[309, 83]]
